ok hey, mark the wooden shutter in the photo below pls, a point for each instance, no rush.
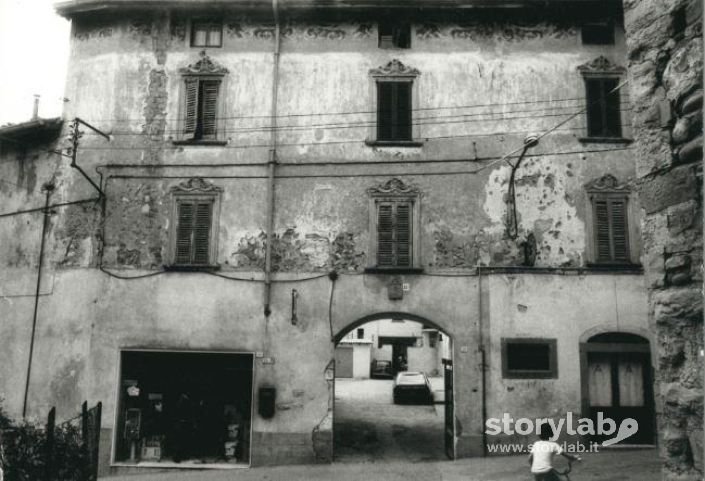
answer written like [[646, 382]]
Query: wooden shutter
[[184, 229], [385, 110], [385, 235], [191, 108], [618, 225], [209, 108], [202, 232], [402, 234], [394, 234], [602, 230], [611, 230]]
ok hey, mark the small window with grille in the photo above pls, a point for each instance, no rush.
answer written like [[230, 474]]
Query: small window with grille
[[194, 225], [529, 358]]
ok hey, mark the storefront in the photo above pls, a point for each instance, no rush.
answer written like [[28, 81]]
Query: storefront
[[184, 407]]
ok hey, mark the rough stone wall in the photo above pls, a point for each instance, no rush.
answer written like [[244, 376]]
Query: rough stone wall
[[664, 39]]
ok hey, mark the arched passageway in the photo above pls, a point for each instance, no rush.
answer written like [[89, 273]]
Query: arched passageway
[[393, 390]]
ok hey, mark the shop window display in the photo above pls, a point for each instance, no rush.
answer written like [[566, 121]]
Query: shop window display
[[190, 408]]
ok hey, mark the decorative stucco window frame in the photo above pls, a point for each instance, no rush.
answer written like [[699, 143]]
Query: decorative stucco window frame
[[599, 69], [394, 71], [395, 191], [608, 187], [550, 373], [203, 70], [194, 190]]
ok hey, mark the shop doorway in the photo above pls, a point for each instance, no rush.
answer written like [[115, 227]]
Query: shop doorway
[[393, 392], [184, 409], [617, 382]]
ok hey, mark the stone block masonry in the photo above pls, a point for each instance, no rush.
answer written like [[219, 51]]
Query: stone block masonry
[[664, 40]]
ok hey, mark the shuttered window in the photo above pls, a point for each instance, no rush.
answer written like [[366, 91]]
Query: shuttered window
[[193, 232], [201, 108], [603, 108], [394, 111], [394, 234], [611, 230]]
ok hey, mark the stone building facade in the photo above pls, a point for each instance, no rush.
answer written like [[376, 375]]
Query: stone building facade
[[664, 40], [272, 180]]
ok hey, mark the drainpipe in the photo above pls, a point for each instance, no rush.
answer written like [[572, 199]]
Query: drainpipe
[[483, 358], [48, 188], [271, 165]]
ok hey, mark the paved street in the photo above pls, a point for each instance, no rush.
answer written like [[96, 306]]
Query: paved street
[[370, 428], [641, 465], [378, 441]]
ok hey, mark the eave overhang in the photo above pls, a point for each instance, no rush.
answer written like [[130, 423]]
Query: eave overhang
[[74, 7], [45, 129]]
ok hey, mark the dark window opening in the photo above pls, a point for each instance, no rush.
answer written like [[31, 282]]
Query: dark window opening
[[679, 23], [361, 333], [618, 337], [184, 407], [603, 107], [193, 232], [201, 108], [611, 230], [598, 33], [394, 34], [394, 111], [394, 234], [529, 358], [206, 34]]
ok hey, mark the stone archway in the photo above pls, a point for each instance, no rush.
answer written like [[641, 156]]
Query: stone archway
[[431, 356]]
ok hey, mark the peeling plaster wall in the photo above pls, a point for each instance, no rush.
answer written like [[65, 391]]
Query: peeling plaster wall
[[519, 307], [124, 78]]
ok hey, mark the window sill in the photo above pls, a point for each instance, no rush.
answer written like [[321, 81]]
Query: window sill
[[394, 143], [394, 270], [192, 268], [605, 140], [615, 266], [200, 142], [530, 375]]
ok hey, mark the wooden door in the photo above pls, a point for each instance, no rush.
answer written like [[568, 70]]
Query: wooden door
[[619, 386]]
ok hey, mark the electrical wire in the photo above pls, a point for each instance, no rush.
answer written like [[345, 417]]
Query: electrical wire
[[441, 119], [359, 112]]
